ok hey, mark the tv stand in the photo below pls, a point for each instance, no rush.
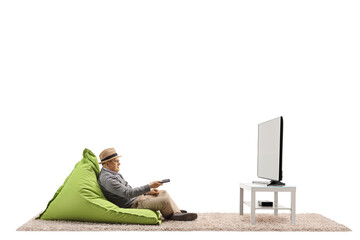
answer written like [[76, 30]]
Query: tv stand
[[271, 183], [276, 183], [254, 188]]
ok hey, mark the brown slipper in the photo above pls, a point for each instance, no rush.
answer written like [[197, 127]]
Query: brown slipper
[[183, 216]]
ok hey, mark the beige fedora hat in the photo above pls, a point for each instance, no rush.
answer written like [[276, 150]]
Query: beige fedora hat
[[108, 155]]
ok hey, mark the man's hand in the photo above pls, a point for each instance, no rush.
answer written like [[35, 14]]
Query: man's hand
[[154, 192], [155, 184]]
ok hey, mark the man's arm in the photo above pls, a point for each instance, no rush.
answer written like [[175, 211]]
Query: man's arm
[[116, 187]]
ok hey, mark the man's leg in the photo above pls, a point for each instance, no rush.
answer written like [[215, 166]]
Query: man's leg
[[174, 207], [162, 202]]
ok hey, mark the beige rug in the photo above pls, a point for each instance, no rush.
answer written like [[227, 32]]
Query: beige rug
[[205, 222]]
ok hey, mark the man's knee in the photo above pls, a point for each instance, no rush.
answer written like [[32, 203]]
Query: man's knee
[[163, 192]]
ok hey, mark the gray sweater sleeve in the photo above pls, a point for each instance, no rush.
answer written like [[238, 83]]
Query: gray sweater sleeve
[[116, 187]]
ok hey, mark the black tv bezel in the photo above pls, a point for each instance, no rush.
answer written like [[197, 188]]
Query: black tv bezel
[[281, 147]]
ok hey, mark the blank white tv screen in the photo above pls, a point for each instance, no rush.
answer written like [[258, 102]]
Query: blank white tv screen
[[269, 149]]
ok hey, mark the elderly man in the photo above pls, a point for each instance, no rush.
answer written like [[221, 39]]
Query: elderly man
[[119, 192]]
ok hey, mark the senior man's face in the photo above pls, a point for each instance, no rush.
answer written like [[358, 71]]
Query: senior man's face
[[114, 165]]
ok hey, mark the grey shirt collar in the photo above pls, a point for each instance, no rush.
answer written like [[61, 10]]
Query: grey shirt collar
[[108, 170]]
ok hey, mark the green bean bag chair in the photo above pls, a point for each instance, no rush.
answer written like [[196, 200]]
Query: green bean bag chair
[[80, 199]]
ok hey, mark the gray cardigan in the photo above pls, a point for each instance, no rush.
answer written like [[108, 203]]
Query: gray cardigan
[[117, 190]]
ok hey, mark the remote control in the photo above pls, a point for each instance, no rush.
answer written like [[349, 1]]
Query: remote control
[[165, 180]]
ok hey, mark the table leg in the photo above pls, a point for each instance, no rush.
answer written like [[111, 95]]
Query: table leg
[[241, 201], [293, 207], [253, 207], [275, 203]]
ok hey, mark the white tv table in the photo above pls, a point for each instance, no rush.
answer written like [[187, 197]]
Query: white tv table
[[253, 188]]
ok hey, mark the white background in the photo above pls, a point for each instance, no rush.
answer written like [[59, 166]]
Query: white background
[[178, 88]]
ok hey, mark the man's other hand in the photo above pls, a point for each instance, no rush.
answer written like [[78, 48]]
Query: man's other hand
[[154, 192], [155, 184]]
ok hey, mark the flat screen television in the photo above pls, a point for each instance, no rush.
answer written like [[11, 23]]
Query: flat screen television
[[269, 151]]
